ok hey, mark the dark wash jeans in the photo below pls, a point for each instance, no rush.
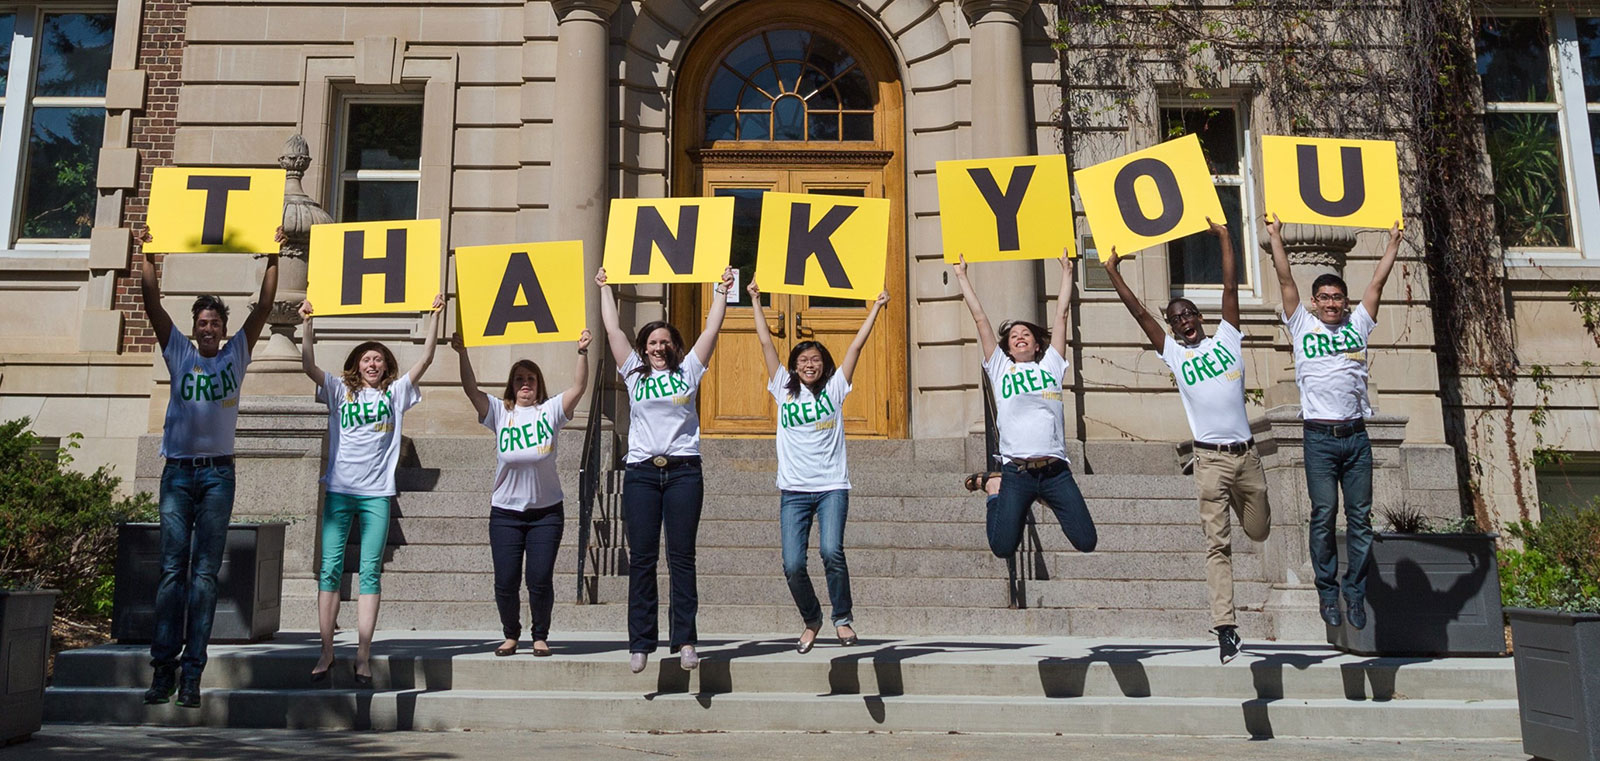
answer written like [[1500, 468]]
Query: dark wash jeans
[[1332, 464], [1019, 487], [654, 499], [830, 509], [196, 504], [523, 544]]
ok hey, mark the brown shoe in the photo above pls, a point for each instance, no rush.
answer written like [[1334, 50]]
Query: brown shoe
[[977, 481]]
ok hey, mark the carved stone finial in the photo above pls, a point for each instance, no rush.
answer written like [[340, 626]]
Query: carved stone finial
[[296, 156], [300, 212], [1315, 249]]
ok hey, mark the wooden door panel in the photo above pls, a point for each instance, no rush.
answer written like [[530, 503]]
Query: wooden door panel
[[733, 397]]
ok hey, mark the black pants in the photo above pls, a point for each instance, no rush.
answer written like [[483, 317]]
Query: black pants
[[525, 541], [654, 499]]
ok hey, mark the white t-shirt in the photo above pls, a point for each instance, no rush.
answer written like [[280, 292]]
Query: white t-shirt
[[1330, 364], [1210, 379], [525, 476], [662, 419], [364, 434], [1028, 398], [811, 434], [203, 410]]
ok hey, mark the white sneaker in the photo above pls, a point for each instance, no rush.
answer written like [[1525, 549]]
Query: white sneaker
[[688, 658], [636, 661]]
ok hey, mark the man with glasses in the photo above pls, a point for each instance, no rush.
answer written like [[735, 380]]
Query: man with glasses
[[1210, 374], [1330, 367]]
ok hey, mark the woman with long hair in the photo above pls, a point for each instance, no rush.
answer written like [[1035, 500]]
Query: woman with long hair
[[525, 511], [813, 479], [367, 403], [1026, 369], [662, 488]]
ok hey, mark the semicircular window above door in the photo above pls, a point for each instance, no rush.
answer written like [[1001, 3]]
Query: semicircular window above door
[[789, 85]]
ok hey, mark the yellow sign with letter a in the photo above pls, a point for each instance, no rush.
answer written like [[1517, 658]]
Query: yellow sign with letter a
[[1322, 181], [521, 293], [668, 240], [1149, 197], [374, 267], [205, 210], [822, 245], [1002, 209]]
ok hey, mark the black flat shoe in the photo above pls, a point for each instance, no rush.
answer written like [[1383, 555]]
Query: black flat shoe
[[541, 652], [320, 678], [363, 681], [506, 650]]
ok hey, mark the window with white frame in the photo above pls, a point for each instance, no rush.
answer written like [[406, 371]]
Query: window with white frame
[[380, 159], [53, 66], [1195, 261]]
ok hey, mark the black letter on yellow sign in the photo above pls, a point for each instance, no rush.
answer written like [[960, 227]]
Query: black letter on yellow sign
[[651, 230], [217, 189], [806, 241], [1355, 184], [1128, 201], [519, 278], [1004, 204], [392, 266]]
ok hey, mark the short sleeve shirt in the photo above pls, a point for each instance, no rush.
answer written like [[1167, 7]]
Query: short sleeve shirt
[[364, 429], [1028, 398], [203, 411], [525, 475], [1330, 364], [662, 418], [1210, 379], [811, 434]]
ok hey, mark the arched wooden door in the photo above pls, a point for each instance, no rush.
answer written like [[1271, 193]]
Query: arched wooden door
[[797, 96]]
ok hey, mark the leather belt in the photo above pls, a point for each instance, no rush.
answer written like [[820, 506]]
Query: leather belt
[[1238, 447], [1035, 463], [663, 461], [1337, 430], [196, 463]]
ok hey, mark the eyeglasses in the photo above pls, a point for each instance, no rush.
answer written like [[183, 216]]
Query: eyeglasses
[[1329, 298], [1181, 316]]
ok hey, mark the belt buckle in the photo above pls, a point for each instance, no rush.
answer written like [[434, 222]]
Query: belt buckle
[[659, 461]]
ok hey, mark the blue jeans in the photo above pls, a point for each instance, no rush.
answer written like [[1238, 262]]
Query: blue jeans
[[1333, 463], [654, 499], [795, 512], [523, 544], [1019, 487], [196, 504]]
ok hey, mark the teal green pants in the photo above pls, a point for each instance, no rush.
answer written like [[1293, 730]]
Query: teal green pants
[[338, 511]]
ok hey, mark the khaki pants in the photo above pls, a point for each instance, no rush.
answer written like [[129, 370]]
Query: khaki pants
[[1225, 480]]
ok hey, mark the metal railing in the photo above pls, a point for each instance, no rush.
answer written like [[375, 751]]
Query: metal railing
[[590, 470], [1016, 583]]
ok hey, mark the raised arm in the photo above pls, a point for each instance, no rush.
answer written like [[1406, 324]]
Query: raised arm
[[469, 379], [848, 367], [1152, 329], [1058, 326], [308, 359], [1280, 264], [1381, 274], [150, 290], [707, 342], [269, 294], [580, 377], [763, 333], [1230, 282], [986, 337], [415, 374], [617, 340]]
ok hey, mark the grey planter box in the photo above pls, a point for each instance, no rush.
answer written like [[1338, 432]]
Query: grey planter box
[[1558, 682], [1428, 594], [24, 652], [249, 583]]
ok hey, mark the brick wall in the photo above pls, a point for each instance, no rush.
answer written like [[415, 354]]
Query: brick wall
[[161, 37]]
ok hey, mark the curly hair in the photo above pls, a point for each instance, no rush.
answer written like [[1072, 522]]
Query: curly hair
[[213, 303], [352, 370]]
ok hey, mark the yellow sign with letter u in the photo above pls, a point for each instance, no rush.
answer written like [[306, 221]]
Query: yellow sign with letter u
[[1322, 181]]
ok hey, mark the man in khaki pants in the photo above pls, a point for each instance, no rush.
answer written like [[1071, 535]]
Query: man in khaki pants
[[1210, 375]]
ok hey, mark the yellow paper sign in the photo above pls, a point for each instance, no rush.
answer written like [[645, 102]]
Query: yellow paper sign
[[203, 210], [521, 293], [668, 240], [822, 245], [1002, 209], [374, 267], [1149, 197], [1345, 183]]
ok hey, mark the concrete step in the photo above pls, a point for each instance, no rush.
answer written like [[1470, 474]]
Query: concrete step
[[468, 451]]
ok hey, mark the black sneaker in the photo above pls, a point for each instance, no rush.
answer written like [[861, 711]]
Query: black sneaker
[[162, 685], [1356, 611], [189, 693], [1227, 642], [1330, 613]]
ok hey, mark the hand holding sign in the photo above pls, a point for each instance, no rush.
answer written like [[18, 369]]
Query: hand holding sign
[[210, 210], [1300, 181], [1149, 197]]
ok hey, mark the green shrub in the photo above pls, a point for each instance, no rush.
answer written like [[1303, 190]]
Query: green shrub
[[58, 527], [1558, 567]]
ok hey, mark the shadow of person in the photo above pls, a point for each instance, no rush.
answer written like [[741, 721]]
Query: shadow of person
[[1430, 613]]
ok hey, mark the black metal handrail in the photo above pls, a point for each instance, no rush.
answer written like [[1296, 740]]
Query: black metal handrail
[[589, 470]]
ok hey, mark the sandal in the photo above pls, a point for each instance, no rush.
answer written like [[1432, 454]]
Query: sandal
[[976, 481]]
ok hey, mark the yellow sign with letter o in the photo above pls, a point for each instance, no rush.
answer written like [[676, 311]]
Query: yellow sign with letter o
[[373, 267], [521, 293], [668, 240], [823, 245], [1323, 181], [1149, 197], [205, 210], [1004, 209]]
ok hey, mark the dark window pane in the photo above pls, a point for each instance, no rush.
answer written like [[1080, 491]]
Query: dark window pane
[[767, 80], [746, 233], [1530, 189], [1594, 140], [8, 27], [74, 54], [724, 90], [854, 90], [823, 125], [811, 79], [789, 118], [1514, 59], [789, 44], [801, 63], [384, 136], [753, 127], [827, 97], [1589, 53], [1218, 131], [825, 302], [719, 127], [829, 56], [1197, 259], [58, 190], [789, 76], [857, 127], [749, 56], [374, 201], [754, 97]]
